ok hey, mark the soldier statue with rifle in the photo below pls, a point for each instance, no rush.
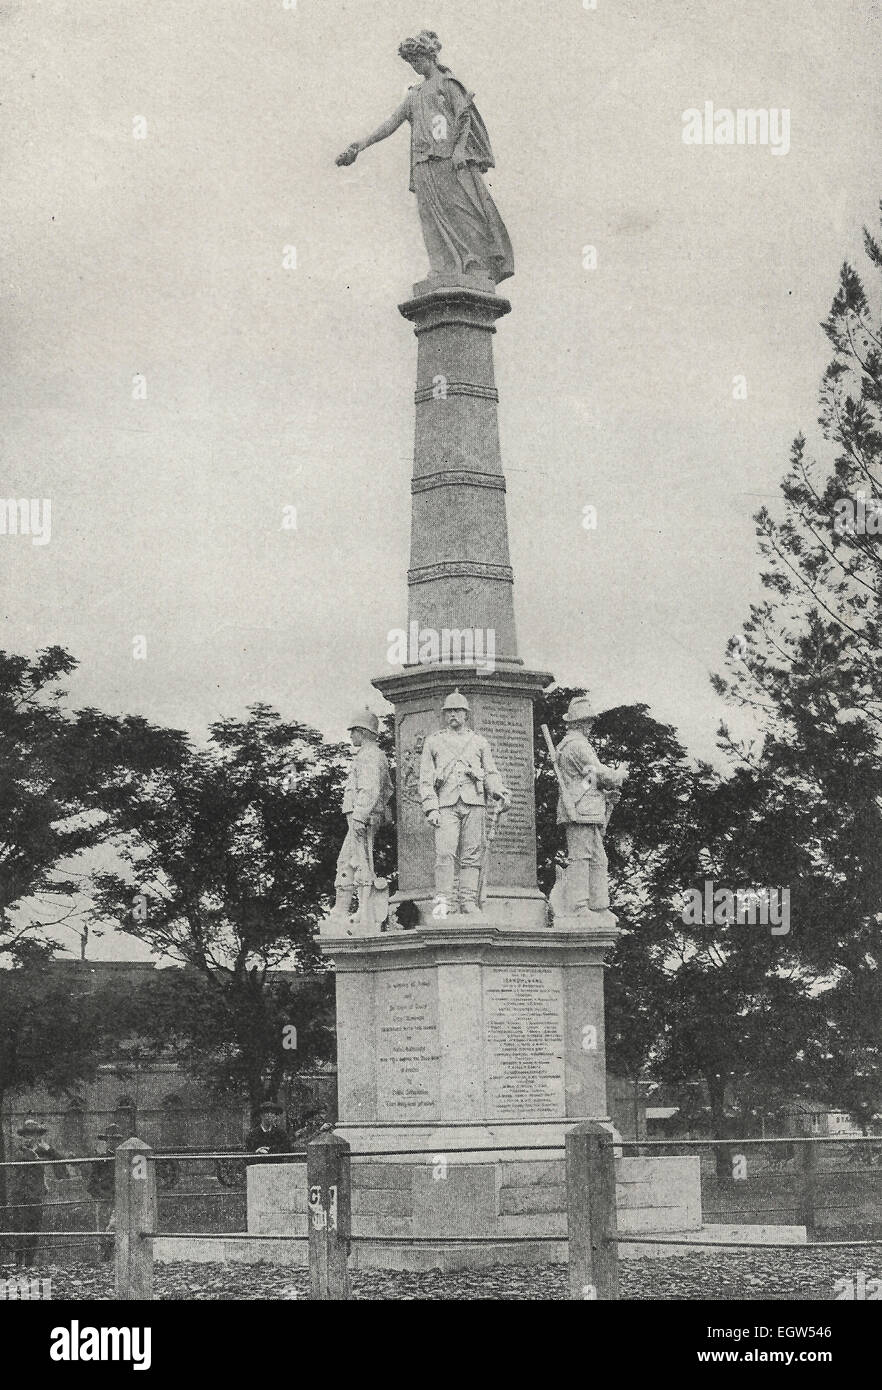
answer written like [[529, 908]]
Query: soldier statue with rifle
[[588, 791], [366, 800]]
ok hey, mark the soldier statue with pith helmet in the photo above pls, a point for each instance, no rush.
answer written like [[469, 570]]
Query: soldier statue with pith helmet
[[458, 780]]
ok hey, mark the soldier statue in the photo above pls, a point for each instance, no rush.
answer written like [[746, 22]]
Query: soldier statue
[[366, 800], [588, 792], [457, 774]]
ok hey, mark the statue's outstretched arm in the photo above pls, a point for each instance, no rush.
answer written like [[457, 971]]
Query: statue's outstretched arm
[[351, 153]]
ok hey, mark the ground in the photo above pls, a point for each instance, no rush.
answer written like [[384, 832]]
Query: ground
[[719, 1275]]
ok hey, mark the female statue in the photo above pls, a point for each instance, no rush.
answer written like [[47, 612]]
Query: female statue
[[449, 153]]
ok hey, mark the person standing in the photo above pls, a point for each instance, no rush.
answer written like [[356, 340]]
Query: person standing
[[26, 1191], [268, 1137], [100, 1186], [457, 775]]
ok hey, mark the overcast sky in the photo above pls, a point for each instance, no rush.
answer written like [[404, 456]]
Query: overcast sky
[[270, 387]]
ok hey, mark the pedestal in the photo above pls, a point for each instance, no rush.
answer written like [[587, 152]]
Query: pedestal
[[466, 1037]]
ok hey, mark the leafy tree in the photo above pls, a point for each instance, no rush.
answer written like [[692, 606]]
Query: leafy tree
[[52, 1031], [726, 1003], [228, 856], [44, 795]]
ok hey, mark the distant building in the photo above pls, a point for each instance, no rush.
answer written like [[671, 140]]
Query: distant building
[[817, 1120], [157, 1099]]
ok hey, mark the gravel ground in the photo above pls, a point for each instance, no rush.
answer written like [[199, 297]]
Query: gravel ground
[[723, 1275]]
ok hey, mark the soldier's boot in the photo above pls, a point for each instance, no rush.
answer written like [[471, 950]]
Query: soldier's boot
[[468, 890]]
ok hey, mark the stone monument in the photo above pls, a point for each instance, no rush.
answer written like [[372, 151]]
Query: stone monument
[[470, 1043]]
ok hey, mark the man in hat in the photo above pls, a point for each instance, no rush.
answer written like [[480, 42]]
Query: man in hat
[[26, 1191], [457, 774], [587, 793], [366, 798], [268, 1137], [100, 1186]]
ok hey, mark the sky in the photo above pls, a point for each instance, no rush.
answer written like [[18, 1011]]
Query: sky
[[160, 159]]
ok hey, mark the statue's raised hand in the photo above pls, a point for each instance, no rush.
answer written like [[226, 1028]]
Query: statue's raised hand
[[349, 155]]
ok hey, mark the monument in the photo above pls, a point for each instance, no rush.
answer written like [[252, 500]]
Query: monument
[[470, 1024]]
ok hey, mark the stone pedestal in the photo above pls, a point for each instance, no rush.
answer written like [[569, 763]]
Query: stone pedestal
[[466, 1037]]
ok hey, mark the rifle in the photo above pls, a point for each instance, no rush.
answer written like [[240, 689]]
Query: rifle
[[564, 792], [489, 837]]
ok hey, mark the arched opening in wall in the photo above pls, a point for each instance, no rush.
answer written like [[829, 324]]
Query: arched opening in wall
[[173, 1124], [125, 1116]]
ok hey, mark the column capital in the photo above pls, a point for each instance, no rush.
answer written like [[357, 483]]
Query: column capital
[[460, 302]]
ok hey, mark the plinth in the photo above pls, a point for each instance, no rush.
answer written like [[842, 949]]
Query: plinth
[[465, 1053]]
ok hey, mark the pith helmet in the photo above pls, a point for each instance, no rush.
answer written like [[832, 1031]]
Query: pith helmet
[[580, 708], [364, 719], [456, 701]]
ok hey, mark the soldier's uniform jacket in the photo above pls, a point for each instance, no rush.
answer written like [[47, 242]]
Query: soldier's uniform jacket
[[585, 778], [456, 767], [368, 789]]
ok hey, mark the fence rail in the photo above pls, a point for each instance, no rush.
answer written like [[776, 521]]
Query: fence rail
[[590, 1152]]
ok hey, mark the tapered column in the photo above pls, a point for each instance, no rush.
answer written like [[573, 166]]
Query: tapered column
[[460, 594], [460, 572]]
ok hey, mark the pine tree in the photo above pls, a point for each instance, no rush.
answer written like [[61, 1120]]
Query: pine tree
[[809, 666]]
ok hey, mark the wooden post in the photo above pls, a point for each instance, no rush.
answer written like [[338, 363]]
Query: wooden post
[[807, 1187], [327, 1178], [134, 1211], [591, 1212]]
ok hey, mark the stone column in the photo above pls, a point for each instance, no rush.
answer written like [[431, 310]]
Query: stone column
[[460, 582]]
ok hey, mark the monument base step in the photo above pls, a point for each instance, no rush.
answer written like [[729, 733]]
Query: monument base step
[[690, 1242]]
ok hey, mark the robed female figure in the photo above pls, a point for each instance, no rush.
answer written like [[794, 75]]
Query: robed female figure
[[449, 154]]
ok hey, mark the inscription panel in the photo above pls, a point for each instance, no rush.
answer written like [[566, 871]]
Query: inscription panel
[[524, 1042], [407, 1046], [506, 723]]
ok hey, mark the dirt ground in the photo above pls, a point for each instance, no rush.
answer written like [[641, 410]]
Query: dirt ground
[[718, 1275]]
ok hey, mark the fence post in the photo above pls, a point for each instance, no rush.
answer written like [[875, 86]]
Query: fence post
[[807, 1187], [591, 1212], [134, 1212], [329, 1208]]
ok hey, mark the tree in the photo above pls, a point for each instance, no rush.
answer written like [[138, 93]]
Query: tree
[[228, 858], [44, 795], [809, 666], [51, 1034], [645, 863], [722, 1002]]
